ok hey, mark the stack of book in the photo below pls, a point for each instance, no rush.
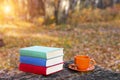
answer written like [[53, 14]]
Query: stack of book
[[41, 60]]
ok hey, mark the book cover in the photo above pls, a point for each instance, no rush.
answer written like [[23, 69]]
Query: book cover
[[40, 69], [41, 61], [41, 52]]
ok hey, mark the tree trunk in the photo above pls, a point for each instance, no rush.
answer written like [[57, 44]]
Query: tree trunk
[[87, 3], [63, 10], [1, 41], [100, 4], [105, 3], [49, 10]]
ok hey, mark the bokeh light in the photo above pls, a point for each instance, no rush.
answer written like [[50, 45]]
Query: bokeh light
[[7, 9]]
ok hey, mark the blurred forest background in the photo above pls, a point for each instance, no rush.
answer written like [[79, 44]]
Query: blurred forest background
[[89, 27]]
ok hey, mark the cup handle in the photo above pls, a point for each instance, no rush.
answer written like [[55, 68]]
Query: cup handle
[[92, 62]]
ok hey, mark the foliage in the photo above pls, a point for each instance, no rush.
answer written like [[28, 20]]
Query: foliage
[[93, 32], [98, 40], [94, 15]]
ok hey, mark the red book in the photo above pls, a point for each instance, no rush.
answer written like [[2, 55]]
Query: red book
[[40, 69]]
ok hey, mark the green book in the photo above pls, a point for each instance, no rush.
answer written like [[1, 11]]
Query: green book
[[41, 52]]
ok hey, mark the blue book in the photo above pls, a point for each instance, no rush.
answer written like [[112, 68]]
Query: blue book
[[41, 61], [41, 52]]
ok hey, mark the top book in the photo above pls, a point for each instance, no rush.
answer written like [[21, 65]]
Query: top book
[[41, 52]]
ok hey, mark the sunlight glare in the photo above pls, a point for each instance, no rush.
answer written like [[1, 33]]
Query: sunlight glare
[[7, 9]]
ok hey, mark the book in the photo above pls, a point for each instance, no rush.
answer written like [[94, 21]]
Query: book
[[40, 69], [41, 61], [41, 52]]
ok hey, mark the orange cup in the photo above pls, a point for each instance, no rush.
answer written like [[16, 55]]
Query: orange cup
[[83, 62]]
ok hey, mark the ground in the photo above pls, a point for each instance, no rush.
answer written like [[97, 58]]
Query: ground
[[100, 41], [66, 74]]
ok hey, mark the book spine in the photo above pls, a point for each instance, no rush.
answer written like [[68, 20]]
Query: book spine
[[33, 54]]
